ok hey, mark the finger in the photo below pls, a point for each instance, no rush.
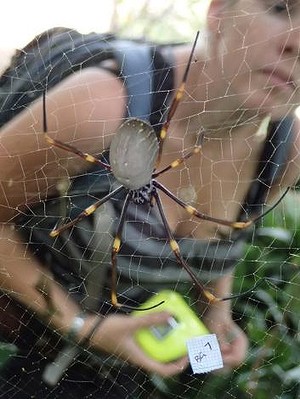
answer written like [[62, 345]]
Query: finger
[[149, 364], [149, 320], [237, 352], [139, 358]]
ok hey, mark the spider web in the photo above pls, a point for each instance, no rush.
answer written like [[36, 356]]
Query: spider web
[[212, 183]]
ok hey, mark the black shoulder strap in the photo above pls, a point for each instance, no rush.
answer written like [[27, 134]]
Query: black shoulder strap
[[148, 78], [270, 166], [136, 65]]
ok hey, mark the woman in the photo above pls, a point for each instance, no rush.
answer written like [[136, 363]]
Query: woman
[[246, 74]]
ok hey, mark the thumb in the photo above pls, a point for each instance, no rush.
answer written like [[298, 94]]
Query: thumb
[[149, 320]]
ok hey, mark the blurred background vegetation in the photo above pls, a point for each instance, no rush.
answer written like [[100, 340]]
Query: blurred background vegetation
[[168, 21], [270, 315]]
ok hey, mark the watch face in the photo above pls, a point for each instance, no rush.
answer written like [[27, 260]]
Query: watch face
[[160, 332]]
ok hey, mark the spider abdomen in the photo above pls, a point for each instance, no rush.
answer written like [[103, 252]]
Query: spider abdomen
[[133, 153]]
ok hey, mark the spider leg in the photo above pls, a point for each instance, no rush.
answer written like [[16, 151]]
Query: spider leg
[[256, 219], [86, 212], [177, 161], [175, 248], [175, 102], [67, 147], [115, 250], [193, 211], [200, 287]]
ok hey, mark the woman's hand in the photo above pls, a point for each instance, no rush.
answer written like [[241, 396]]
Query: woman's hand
[[115, 335], [232, 339], [218, 319]]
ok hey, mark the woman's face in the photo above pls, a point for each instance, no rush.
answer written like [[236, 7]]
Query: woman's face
[[258, 48]]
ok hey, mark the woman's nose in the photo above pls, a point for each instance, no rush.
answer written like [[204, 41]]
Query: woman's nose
[[290, 43]]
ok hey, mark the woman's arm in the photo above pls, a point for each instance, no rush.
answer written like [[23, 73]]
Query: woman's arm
[[85, 109], [26, 280], [31, 284]]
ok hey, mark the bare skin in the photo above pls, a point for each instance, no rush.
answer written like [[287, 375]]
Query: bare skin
[[232, 87]]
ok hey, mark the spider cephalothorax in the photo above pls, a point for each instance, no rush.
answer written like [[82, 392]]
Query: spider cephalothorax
[[142, 195]]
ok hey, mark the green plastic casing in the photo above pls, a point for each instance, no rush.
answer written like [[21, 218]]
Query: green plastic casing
[[168, 343]]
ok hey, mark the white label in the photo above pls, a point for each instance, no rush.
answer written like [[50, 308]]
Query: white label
[[204, 353]]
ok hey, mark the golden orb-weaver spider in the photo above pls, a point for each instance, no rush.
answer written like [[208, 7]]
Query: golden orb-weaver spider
[[136, 171]]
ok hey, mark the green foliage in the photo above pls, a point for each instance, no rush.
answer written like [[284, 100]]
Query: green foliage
[[6, 350]]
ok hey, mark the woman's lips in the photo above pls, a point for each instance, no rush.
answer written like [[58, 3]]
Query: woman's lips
[[279, 79]]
